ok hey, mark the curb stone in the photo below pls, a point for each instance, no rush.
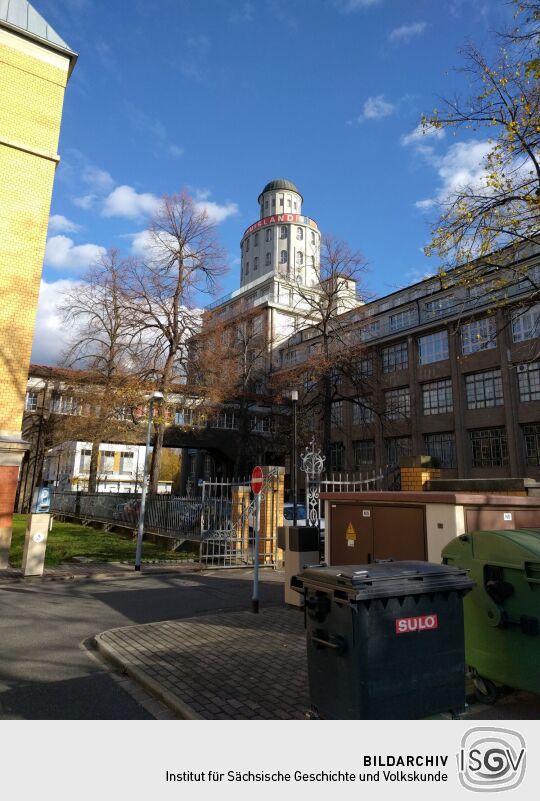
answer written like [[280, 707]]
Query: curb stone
[[181, 709]]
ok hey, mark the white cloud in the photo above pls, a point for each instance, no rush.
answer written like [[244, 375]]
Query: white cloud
[[422, 133], [62, 253], [405, 33], [50, 337], [59, 223], [375, 108], [463, 165], [85, 201], [124, 201], [175, 151], [140, 243], [97, 179], [216, 212]]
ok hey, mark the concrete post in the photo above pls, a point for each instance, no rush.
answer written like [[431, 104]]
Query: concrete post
[[35, 544]]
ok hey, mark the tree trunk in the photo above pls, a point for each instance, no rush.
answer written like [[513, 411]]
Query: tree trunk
[[327, 422], [155, 464], [93, 474]]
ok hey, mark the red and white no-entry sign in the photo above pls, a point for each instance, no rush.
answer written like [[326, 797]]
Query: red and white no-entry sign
[[257, 480]]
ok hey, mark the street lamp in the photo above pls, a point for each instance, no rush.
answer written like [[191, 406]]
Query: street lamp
[[155, 396], [294, 459]]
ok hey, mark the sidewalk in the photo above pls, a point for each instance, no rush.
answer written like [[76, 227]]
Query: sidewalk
[[238, 666], [99, 570], [229, 665]]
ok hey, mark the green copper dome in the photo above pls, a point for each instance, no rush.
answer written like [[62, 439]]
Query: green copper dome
[[281, 183]]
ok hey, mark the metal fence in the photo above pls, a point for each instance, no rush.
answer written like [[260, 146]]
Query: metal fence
[[228, 523], [168, 515]]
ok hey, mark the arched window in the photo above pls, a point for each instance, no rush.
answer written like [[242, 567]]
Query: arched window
[[247, 245], [268, 234], [283, 257], [294, 205], [283, 232], [268, 259], [256, 263], [313, 237], [288, 203], [299, 258], [299, 233]]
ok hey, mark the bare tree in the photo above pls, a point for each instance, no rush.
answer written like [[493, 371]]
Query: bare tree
[[183, 261], [333, 368], [490, 224], [106, 392], [231, 360]]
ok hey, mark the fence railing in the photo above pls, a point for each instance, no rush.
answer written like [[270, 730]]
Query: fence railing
[[169, 515]]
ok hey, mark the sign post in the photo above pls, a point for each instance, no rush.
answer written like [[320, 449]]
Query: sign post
[[256, 487]]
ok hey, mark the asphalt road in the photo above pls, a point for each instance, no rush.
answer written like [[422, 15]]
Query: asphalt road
[[46, 673]]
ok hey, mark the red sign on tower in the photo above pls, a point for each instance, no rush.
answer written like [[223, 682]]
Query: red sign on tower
[[257, 480]]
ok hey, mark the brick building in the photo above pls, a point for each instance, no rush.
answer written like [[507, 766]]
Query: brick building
[[35, 65]]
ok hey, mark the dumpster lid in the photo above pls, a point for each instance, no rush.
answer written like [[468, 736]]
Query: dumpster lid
[[384, 579]]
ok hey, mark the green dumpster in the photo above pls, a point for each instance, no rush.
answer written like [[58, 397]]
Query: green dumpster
[[502, 613]]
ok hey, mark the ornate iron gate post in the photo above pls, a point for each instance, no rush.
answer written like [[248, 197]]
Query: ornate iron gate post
[[312, 465]]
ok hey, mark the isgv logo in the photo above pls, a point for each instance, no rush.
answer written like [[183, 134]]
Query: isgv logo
[[491, 760]]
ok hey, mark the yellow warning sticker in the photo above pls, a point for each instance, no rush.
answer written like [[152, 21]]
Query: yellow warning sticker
[[350, 533]]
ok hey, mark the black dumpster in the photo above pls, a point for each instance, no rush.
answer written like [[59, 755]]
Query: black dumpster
[[384, 640]]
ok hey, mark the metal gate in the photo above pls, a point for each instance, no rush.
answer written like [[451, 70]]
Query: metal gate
[[228, 523]]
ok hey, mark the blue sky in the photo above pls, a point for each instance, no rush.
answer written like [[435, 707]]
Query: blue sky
[[221, 96]]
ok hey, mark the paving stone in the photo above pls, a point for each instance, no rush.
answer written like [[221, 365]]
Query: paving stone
[[227, 665]]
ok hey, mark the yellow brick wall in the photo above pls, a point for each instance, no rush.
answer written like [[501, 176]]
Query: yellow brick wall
[[31, 98], [414, 478]]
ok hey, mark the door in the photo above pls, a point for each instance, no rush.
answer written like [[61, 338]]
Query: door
[[399, 533], [351, 534]]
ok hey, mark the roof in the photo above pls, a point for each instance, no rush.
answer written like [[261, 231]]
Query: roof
[[281, 183], [21, 16]]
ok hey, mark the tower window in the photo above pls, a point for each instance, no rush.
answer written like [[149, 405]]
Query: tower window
[[268, 234], [256, 263], [247, 267], [281, 201], [266, 203], [247, 245], [288, 203], [299, 258], [283, 257], [313, 237], [294, 205], [283, 232], [299, 233], [268, 259], [273, 202], [256, 242]]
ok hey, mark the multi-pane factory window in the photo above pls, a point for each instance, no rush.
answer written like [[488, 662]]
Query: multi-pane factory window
[[433, 348], [403, 319], [337, 413], [529, 381], [478, 335], [531, 435], [437, 397], [337, 452], [361, 411], [398, 403], [489, 447], [364, 453], [395, 357], [526, 325], [484, 390], [442, 447], [397, 447]]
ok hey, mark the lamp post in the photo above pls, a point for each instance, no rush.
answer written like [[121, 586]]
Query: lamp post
[[294, 459], [155, 396]]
